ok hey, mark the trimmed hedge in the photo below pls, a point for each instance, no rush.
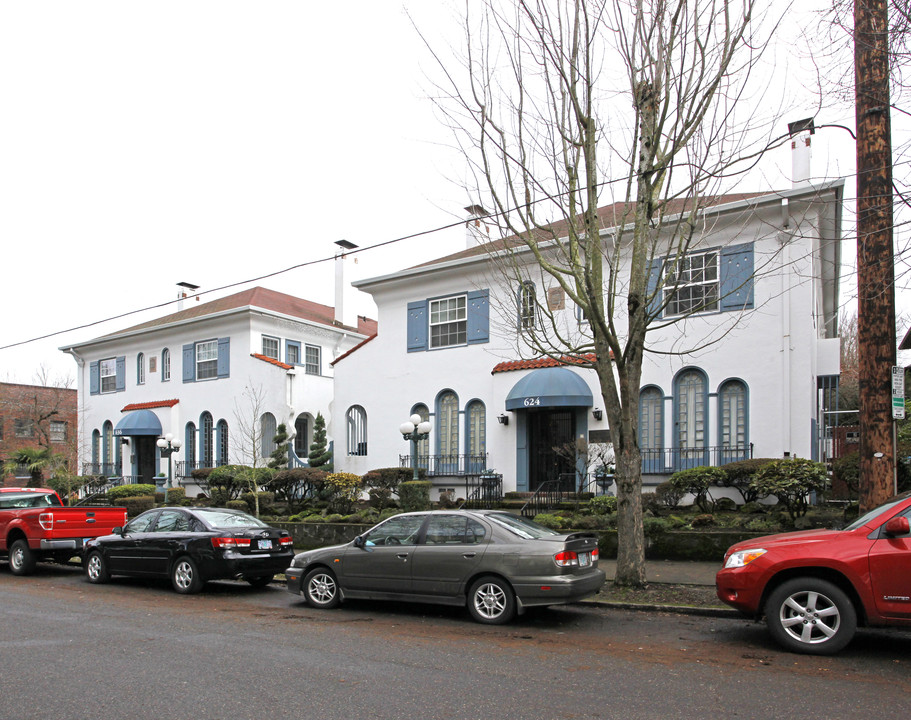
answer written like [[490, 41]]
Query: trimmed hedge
[[414, 495], [137, 504], [116, 494]]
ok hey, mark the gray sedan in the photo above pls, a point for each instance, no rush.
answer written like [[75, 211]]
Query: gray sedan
[[494, 562]]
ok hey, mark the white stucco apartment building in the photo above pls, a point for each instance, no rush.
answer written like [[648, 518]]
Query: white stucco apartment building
[[449, 349], [190, 374]]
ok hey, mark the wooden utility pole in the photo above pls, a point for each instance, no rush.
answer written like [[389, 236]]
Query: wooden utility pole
[[875, 262]]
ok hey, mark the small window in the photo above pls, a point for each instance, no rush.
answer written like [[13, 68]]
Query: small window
[[293, 354], [356, 422], [165, 365], [23, 427], [312, 365], [527, 306], [270, 347], [448, 321], [207, 360], [58, 431], [694, 284], [268, 429], [108, 370], [140, 369]]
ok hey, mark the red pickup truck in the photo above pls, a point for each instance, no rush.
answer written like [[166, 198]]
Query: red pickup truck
[[815, 587], [34, 525]]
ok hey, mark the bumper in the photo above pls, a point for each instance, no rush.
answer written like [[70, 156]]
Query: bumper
[[295, 578], [235, 565], [741, 589], [557, 589], [74, 544]]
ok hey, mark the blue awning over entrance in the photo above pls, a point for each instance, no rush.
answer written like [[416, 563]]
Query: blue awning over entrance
[[549, 387], [138, 422]]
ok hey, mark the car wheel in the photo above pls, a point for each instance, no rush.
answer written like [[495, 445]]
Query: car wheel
[[321, 589], [21, 558], [491, 601], [185, 576], [260, 581], [809, 615], [96, 569]]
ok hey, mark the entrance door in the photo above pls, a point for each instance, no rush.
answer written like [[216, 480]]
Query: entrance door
[[548, 429], [144, 449]]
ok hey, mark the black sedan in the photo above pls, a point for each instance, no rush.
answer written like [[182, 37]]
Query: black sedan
[[190, 546], [494, 562]]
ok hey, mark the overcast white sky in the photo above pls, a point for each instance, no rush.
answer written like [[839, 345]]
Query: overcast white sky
[[147, 143]]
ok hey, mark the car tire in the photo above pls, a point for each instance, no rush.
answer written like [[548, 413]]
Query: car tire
[[491, 601], [812, 616], [321, 589], [96, 569], [22, 560], [260, 581], [185, 576]]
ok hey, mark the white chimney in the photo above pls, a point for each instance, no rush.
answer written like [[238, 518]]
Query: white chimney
[[185, 289], [477, 226], [340, 279], [801, 155]]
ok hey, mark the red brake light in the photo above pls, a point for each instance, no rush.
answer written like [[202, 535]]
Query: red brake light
[[286, 541], [566, 558], [222, 543], [46, 520], [595, 555]]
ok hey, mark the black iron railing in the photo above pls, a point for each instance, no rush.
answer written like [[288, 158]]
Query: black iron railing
[[447, 465], [101, 469], [549, 494], [483, 492], [659, 461]]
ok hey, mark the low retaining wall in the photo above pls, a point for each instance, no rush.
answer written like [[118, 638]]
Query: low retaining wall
[[705, 545]]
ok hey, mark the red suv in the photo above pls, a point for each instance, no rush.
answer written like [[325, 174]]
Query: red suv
[[815, 587]]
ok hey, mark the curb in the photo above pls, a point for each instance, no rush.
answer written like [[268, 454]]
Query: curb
[[719, 612]]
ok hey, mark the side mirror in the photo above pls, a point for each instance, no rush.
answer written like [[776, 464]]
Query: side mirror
[[898, 526], [359, 541]]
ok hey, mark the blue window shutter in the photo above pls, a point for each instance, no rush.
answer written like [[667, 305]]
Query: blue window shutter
[[736, 284], [654, 277], [224, 357], [417, 326], [121, 378], [189, 363], [94, 378], [478, 316]]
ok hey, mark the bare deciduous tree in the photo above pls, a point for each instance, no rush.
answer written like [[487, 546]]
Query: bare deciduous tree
[[247, 441]]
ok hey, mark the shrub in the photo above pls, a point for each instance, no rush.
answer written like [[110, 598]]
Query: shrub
[[176, 495], [603, 505], [668, 495], [548, 520], [697, 481], [654, 527], [650, 502], [346, 489], [702, 521], [791, 481], [136, 504], [414, 495], [227, 482], [725, 504], [739, 476], [237, 505], [294, 486], [117, 494], [266, 501], [383, 483]]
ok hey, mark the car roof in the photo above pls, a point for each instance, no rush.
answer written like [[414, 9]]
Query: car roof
[[29, 489]]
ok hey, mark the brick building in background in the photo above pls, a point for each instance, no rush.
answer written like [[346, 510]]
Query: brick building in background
[[37, 416]]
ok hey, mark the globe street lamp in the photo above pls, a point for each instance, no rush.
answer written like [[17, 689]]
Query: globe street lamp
[[415, 429], [167, 446]]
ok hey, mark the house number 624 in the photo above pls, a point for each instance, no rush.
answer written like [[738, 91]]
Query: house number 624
[[531, 402]]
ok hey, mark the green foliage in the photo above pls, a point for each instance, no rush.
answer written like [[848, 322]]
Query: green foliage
[[739, 476], [383, 483], [668, 495], [346, 489], [227, 482], [176, 496], [266, 502], [725, 504], [706, 520], [698, 481], [655, 527], [602, 505], [549, 520], [136, 504], [279, 457], [237, 505], [118, 493], [320, 455], [791, 481], [414, 495], [294, 486]]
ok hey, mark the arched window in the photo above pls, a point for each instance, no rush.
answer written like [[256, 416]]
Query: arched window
[[96, 450], [691, 418], [302, 428], [221, 443], [651, 429], [207, 449], [356, 426], [189, 446], [448, 430], [140, 369], [165, 365], [732, 421], [268, 425], [107, 448], [476, 434], [527, 305], [424, 443]]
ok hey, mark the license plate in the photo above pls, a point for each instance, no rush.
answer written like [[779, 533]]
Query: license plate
[[585, 559], [265, 544]]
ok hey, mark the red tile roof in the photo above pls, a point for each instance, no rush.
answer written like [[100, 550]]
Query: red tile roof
[[272, 361], [356, 347], [149, 405], [511, 365]]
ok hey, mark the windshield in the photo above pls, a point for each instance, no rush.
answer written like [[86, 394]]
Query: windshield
[[228, 519], [864, 519], [28, 500], [520, 526]]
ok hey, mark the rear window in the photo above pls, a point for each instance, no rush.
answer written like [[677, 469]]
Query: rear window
[[28, 500], [228, 519], [522, 527]]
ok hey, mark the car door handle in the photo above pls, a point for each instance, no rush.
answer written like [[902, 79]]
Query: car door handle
[[468, 555], [402, 556]]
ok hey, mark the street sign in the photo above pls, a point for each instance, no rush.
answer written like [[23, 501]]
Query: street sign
[[898, 393]]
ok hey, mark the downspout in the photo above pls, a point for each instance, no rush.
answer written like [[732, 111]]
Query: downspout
[[784, 240]]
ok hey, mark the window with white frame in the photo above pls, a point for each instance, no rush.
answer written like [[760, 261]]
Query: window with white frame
[[140, 369], [293, 354], [207, 360], [732, 420], [165, 365], [693, 284], [270, 347], [108, 370], [691, 414], [527, 305], [57, 431], [312, 360], [448, 321], [356, 425]]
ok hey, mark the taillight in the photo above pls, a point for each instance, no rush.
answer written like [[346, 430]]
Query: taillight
[[595, 555], [286, 541], [567, 558], [46, 520], [223, 543]]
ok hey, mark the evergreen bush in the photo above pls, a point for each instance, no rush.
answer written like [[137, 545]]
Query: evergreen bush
[[414, 495], [791, 480], [116, 494]]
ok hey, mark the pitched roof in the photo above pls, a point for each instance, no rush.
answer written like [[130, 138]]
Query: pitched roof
[[271, 361], [149, 405], [511, 365]]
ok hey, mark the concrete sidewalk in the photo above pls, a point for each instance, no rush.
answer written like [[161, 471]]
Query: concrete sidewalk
[[671, 571]]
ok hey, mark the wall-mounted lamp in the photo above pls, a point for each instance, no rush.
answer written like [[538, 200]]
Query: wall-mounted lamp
[[596, 413], [503, 419]]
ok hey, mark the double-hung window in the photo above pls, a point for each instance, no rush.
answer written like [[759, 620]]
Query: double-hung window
[[270, 347], [293, 353], [58, 431], [207, 360], [693, 284], [449, 321], [527, 306], [108, 375], [312, 360]]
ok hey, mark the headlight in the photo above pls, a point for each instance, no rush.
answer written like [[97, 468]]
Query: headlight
[[299, 561], [742, 558]]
